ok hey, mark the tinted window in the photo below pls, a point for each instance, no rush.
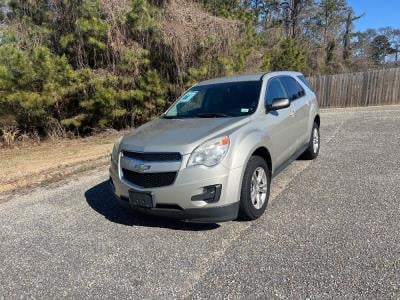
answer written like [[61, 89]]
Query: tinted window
[[293, 88], [275, 90], [233, 99], [305, 81]]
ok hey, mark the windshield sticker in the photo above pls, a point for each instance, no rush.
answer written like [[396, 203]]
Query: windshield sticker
[[188, 96], [244, 110]]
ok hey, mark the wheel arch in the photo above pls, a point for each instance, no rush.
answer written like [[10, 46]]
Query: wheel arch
[[264, 153], [317, 120], [246, 210]]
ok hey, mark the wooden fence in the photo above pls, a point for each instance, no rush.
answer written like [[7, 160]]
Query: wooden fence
[[375, 87]]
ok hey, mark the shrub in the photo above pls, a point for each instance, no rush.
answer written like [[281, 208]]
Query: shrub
[[288, 56], [33, 84]]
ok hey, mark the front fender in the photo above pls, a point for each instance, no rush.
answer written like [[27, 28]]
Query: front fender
[[244, 146]]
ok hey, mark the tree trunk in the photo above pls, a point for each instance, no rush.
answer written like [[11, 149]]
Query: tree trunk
[[346, 37]]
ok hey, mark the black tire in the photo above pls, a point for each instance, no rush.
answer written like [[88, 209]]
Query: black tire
[[311, 153], [247, 211]]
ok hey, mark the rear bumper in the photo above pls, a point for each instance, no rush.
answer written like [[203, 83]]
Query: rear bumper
[[194, 215]]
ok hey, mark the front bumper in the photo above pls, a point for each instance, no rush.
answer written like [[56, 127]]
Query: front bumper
[[175, 201], [195, 215]]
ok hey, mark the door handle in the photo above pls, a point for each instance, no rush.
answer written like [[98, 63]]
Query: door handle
[[291, 113]]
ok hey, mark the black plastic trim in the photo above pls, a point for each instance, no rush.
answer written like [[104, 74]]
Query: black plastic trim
[[153, 156], [196, 215], [211, 196], [193, 215], [149, 180], [291, 159]]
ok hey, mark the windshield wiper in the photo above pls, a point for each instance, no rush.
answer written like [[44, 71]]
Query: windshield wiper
[[212, 115]]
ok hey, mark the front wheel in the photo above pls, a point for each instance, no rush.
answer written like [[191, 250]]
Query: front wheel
[[255, 189], [314, 144]]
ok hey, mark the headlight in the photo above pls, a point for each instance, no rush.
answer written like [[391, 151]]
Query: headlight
[[210, 153], [115, 151]]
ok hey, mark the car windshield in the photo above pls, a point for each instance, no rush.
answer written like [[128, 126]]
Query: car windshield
[[234, 99]]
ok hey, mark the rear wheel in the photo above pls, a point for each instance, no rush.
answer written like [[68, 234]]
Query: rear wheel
[[255, 189], [313, 144]]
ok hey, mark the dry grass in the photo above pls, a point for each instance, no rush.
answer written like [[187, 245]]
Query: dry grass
[[186, 26], [32, 165], [9, 134]]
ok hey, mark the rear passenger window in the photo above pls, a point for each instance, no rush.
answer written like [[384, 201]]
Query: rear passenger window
[[275, 90], [293, 88]]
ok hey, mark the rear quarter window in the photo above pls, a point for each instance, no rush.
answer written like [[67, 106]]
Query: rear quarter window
[[305, 81]]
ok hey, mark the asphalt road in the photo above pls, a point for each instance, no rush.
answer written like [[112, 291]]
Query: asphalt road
[[332, 230]]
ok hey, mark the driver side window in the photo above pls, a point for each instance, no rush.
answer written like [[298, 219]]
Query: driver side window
[[275, 90]]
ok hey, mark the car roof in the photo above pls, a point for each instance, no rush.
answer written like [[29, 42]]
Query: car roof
[[247, 77]]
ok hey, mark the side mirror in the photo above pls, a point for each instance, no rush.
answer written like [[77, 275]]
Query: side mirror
[[278, 103]]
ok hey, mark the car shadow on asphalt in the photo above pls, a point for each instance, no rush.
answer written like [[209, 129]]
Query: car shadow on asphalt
[[101, 199]]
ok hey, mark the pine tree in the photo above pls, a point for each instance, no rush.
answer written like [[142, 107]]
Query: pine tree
[[289, 56]]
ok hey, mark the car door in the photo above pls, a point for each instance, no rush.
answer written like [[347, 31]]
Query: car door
[[299, 104], [306, 101], [281, 128]]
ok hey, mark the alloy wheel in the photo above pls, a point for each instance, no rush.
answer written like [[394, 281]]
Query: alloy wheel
[[258, 187]]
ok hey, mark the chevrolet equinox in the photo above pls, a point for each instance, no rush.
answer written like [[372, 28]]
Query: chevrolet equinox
[[211, 156]]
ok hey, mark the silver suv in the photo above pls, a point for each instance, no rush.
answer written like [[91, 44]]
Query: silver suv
[[211, 156]]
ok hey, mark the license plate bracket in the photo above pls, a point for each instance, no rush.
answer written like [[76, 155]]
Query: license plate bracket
[[141, 199]]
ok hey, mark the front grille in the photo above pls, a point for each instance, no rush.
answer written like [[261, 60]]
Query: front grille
[[148, 156], [149, 180]]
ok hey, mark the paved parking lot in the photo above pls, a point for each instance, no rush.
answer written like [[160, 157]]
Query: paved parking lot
[[332, 230]]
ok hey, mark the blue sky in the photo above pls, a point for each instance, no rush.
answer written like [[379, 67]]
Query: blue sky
[[378, 13]]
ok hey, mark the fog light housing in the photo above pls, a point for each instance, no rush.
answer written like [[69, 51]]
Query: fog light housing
[[210, 194]]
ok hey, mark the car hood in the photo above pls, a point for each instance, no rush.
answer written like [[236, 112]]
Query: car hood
[[179, 135]]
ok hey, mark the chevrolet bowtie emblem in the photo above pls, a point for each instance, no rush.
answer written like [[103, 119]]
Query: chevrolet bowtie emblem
[[141, 168]]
